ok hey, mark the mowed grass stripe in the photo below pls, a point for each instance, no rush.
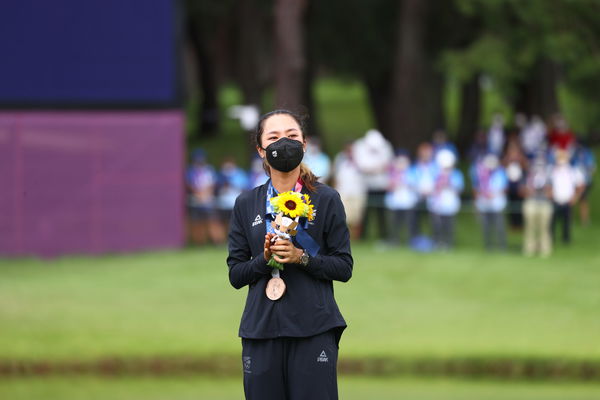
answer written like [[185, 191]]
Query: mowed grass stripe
[[399, 305], [350, 388]]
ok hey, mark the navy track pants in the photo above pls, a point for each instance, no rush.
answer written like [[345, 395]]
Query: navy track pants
[[291, 368]]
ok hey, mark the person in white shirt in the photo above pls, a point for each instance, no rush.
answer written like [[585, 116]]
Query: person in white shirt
[[373, 155], [533, 137], [567, 185], [349, 183]]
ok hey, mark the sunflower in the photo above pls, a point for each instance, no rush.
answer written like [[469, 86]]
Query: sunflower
[[289, 203], [310, 209]]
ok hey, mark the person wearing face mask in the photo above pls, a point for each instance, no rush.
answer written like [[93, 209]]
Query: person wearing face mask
[[289, 341]]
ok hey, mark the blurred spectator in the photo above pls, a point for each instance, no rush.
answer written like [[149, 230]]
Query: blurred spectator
[[201, 182], [561, 137], [401, 198], [520, 123], [533, 137], [424, 171], [232, 181], [479, 146], [584, 159], [349, 183], [373, 154], [317, 160], [248, 115], [489, 187], [515, 164], [441, 142], [444, 202], [258, 176], [495, 135], [537, 209], [567, 185]]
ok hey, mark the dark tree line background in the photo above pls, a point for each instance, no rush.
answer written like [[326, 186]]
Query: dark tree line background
[[403, 51]]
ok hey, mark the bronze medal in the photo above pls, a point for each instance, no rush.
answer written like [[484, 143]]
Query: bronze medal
[[275, 288]]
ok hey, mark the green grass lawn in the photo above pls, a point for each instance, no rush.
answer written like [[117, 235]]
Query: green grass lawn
[[231, 389], [399, 304]]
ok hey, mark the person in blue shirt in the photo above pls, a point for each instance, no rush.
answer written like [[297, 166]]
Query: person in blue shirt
[[440, 142], [424, 171], [401, 198], [258, 176], [316, 159], [444, 202], [200, 182], [489, 186], [584, 159], [232, 181]]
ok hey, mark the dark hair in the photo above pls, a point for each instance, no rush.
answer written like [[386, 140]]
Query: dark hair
[[300, 120], [306, 174]]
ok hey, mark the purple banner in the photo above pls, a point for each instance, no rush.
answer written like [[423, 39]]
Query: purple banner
[[90, 182]]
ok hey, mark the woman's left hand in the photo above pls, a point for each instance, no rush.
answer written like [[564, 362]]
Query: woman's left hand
[[285, 252]]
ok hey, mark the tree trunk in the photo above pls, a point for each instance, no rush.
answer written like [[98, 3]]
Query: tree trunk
[[250, 54], [308, 100], [407, 115], [434, 102], [290, 61], [378, 95], [206, 75], [537, 95], [470, 112]]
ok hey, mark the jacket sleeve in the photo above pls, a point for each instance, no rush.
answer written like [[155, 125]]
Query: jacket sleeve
[[335, 261], [243, 269]]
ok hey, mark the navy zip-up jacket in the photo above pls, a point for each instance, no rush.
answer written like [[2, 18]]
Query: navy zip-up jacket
[[308, 307]]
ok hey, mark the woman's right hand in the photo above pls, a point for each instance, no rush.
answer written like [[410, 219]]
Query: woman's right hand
[[267, 249]]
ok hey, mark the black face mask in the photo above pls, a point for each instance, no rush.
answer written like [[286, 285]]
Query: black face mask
[[285, 154]]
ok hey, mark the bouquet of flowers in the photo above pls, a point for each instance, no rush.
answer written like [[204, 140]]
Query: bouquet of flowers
[[289, 207]]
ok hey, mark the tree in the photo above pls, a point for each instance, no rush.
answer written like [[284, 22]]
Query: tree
[[205, 33], [252, 66], [407, 113], [289, 58], [529, 48]]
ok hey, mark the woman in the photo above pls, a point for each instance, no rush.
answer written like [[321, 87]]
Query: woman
[[289, 344]]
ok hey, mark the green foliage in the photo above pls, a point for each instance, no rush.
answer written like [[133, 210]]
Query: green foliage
[[582, 112], [515, 34], [344, 112], [488, 53], [503, 40]]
